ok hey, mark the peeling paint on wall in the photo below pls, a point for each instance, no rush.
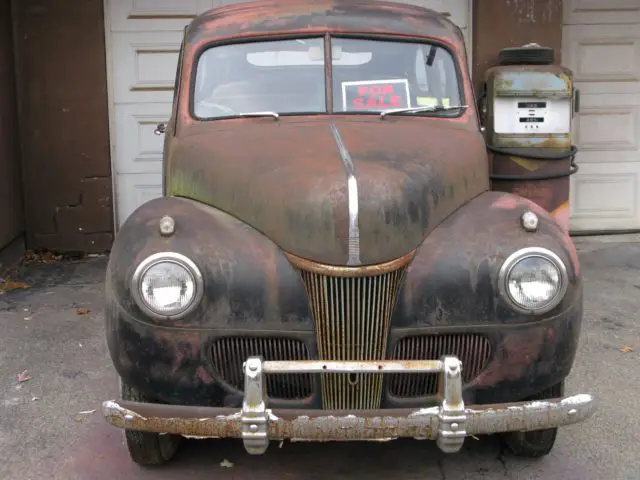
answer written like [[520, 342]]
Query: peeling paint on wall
[[534, 11]]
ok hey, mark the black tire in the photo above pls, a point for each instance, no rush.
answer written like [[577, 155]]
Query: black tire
[[535, 443], [146, 448]]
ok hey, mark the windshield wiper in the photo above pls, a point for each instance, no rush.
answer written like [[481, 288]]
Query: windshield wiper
[[430, 108], [275, 115]]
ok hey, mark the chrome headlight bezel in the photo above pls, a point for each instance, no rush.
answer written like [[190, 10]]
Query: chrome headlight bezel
[[167, 257], [522, 254]]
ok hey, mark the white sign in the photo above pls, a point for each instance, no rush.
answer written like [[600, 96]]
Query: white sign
[[523, 115]]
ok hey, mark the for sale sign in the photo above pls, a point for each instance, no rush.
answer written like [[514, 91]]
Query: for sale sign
[[376, 95]]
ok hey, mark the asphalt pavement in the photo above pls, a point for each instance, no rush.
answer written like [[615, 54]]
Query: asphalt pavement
[[55, 372]]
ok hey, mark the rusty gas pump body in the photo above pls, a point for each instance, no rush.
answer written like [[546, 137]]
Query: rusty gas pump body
[[529, 106]]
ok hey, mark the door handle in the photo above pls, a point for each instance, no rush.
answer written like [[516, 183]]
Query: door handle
[[160, 129]]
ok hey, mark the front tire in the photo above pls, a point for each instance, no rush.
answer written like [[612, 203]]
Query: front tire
[[147, 448], [535, 443]]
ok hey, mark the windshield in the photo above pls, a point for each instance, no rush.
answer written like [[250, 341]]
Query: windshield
[[393, 75], [288, 77], [284, 76]]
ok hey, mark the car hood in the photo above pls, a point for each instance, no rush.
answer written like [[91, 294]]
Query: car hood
[[345, 192]]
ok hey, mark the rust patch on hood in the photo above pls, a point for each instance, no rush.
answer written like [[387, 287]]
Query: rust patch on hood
[[288, 180]]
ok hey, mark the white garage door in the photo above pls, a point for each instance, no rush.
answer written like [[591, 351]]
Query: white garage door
[[601, 44], [143, 41]]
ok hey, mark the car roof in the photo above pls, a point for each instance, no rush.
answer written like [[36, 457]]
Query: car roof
[[267, 17]]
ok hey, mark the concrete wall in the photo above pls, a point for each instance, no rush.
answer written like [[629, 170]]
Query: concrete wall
[[63, 111], [11, 209]]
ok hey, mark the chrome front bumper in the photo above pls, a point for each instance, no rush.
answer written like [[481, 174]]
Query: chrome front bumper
[[448, 424]]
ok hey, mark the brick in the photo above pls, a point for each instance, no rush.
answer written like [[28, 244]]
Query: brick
[[84, 220], [96, 191], [67, 243]]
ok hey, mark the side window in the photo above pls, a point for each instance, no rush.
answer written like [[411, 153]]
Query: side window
[[421, 72], [176, 83], [171, 123], [436, 78]]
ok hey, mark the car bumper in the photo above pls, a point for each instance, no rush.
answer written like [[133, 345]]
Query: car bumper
[[448, 423]]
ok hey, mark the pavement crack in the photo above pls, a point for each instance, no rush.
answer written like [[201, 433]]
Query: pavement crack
[[501, 459], [443, 476]]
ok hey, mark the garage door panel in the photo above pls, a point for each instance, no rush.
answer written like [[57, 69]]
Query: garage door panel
[[145, 67], [608, 130], [602, 53], [602, 47], [584, 12], [137, 148], [608, 123], [608, 89], [605, 197], [154, 15], [134, 189]]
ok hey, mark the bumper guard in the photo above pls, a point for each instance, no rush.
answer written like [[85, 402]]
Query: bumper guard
[[448, 424]]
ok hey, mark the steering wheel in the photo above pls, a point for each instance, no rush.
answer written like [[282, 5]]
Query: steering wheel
[[211, 108]]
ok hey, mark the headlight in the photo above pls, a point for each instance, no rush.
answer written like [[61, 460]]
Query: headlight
[[533, 280], [167, 285]]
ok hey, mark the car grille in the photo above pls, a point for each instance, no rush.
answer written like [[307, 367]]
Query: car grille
[[473, 350], [352, 319], [229, 353]]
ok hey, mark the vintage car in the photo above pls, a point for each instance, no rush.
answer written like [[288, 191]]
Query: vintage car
[[328, 261]]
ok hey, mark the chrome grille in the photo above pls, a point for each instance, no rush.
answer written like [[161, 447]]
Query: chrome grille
[[229, 353], [352, 318], [472, 349]]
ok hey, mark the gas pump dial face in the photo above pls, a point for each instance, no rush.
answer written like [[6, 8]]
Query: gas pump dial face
[[532, 115]]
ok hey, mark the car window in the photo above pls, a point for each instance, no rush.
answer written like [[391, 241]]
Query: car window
[[392, 75], [284, 76]]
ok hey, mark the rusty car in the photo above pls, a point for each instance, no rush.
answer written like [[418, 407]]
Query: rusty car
[[328, 261]]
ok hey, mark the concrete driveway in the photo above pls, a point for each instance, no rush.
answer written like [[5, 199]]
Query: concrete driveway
[[50, 425]]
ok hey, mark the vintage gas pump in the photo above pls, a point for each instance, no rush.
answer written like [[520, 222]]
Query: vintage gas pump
[[528, 107]]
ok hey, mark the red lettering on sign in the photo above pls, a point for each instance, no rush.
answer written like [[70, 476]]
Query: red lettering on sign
[[377, 90], [377, 96], [379, 101]]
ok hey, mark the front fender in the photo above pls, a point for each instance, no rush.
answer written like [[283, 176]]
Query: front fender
[[453, 281], [249, 283]]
